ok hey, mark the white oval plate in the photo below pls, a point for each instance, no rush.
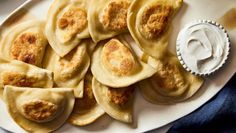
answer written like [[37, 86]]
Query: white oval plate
[[148, 116]]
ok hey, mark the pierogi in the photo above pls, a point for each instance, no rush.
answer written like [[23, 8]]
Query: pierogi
[[86, 109], [17, 73], [107, 18], [39, 110], [66, 25], [70, 69], [25, 42], [114, 64], [149, 24], [171, 83], [116, 102]]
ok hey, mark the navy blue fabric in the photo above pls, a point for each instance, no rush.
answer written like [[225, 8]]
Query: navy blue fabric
[[216, 116]]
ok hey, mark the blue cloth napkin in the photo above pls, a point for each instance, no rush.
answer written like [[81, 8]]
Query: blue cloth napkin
[[217, 116]]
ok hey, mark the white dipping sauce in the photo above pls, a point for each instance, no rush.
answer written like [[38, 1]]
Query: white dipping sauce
[[203, 47]]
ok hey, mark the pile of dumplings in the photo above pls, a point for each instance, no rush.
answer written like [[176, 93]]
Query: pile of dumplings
[[77, 65]]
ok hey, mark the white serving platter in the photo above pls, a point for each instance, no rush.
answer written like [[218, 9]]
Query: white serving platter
[[148, 116]]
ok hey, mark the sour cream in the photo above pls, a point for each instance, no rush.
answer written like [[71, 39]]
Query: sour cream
[[203, 46]]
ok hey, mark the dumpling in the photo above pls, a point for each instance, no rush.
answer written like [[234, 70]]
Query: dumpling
[[114, 64], [117, 102], [107, 18], [70, 69], [148, 22], [171, 83], [17, 73], [39, 110], [66, 25], [25, 42], [86, 110]]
